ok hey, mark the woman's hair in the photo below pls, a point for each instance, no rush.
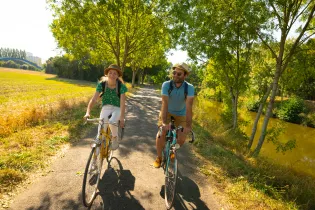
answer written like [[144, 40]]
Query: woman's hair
[[105, 78]]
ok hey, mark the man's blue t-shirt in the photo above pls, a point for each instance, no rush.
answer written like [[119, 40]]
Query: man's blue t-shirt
[[176, 100]]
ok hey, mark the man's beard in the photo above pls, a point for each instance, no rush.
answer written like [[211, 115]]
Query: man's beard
[[178, 80]]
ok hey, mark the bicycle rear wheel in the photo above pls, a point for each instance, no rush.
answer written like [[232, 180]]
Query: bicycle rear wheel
[[91, 176], [170, 181]]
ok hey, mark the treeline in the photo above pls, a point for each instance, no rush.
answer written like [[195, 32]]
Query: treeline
[[17, 65], [65, 67], [82, 69], [12, 53]]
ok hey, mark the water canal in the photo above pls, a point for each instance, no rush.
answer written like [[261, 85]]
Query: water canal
[[301, 158]]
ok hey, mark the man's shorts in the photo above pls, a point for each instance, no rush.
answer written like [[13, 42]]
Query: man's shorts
[[179, 120]]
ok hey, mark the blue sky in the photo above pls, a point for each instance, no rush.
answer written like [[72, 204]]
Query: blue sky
[[25, 25]]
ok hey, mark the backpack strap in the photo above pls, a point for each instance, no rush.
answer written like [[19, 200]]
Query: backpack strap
[[185, 89], [172, 87], [104, 86], [118, 86]]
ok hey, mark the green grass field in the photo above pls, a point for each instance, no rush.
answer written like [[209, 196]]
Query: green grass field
[[38, 114]]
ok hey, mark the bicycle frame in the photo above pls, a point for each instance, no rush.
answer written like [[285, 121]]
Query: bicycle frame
[[171, 142], [104, 136]]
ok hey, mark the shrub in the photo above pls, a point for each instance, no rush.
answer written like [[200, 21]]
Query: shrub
[[252, 104], [308, 119], [24, 66], [291, 109]]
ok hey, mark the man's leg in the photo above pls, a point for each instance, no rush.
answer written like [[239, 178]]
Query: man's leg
[[181, 121], [160, 143]]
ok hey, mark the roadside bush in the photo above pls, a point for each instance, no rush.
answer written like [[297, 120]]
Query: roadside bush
[[24, 66], [11, 64], [308, 119], [291, 109], [31, 68], [252, 104]]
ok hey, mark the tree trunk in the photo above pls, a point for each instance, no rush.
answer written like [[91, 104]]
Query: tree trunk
[[261, 106], [133, 78], [234, 109], [139, 77], [235, 113], [269, 110]]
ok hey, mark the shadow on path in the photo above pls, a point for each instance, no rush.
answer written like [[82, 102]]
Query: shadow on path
[[187, 193], [115, 187]]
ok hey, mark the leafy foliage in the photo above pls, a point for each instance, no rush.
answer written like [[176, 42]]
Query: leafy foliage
[[291, 109], [115, 31]]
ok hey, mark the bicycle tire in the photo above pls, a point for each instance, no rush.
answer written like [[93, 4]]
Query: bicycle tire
[[91, 178], [170, 181]]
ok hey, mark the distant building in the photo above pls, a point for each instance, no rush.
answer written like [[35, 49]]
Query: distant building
[[34, 59]]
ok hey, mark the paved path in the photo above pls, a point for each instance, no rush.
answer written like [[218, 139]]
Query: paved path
[[139, 185]]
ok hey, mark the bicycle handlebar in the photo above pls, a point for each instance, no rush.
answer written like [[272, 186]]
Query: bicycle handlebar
[[100, 120], [182, 129]]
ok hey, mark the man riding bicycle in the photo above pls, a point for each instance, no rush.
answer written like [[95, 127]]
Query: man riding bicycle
[[177, 101]]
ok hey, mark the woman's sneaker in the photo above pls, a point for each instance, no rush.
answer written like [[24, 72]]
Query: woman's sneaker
[[115, 143]]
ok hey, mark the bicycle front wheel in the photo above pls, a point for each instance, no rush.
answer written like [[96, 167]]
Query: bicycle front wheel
[[91, 176], [170, 181]]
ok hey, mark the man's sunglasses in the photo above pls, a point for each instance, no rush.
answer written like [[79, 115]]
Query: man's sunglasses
[[177, 73]]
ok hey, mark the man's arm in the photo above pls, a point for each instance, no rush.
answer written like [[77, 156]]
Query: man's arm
[[189, 105], [164, 109]]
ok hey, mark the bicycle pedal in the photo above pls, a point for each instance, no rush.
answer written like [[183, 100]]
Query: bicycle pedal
[[93, 179]]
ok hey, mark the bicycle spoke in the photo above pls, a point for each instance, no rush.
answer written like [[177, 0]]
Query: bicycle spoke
[[91, 177], [170, 182]]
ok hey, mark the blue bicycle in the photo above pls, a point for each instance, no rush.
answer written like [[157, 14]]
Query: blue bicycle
[[170, 163]]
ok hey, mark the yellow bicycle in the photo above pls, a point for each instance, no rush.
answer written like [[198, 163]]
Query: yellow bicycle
[[101, 149]]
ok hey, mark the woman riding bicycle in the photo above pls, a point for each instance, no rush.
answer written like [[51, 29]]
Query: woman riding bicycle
[[112, 90]]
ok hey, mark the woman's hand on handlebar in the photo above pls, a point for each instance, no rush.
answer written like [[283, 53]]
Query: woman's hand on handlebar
[[86, 116]]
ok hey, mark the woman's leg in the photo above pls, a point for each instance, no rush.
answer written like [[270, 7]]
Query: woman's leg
[[106, 110], [114, 119]]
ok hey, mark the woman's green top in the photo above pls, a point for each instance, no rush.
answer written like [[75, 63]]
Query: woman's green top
[[110, 96]]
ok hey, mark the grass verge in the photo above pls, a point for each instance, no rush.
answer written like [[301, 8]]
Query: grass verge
[[249, 183], [47, 114]]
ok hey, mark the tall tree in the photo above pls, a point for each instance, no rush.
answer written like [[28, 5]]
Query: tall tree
[[284, 15], [106, 30], [221, 31]]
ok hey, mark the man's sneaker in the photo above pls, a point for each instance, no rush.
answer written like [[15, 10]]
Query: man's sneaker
[[172, 157], [115, 143], [157, 162]]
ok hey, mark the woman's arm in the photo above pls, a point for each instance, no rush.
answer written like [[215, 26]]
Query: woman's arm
[[91, 104]]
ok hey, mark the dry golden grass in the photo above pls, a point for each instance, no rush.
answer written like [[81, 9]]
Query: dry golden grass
[[38, 114], [30, 97]]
